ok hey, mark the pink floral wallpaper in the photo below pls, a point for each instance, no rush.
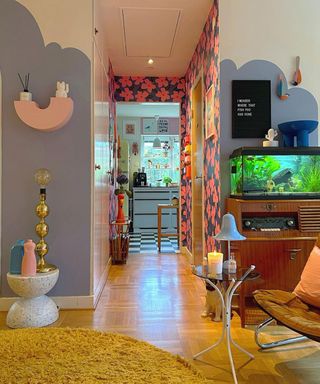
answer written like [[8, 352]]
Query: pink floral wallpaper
[[112, 140], [205, 58], [154, 89]]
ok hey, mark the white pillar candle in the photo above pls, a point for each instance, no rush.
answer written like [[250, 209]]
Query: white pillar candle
[[215, 262]]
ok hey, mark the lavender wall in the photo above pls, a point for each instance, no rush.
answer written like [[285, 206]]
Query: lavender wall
[[301, 104], [65, 152]]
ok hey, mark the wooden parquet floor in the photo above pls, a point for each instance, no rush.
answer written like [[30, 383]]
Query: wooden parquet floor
[[156, 298]]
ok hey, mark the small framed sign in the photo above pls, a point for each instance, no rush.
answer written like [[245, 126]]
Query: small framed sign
[[163, 126], [251, 108]]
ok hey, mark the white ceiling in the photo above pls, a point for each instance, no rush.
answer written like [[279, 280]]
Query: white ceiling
[[167, 31], [148, 109]]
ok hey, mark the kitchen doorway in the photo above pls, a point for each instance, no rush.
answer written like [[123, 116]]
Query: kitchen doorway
[[197, 172], [149, 155]]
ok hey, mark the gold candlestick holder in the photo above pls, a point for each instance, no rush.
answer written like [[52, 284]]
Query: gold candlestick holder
[[43, 178]]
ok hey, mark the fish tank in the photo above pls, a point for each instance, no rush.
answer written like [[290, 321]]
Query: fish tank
[[275, 173]]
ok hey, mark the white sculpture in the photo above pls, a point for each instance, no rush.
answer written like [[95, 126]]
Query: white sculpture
[[62, 89], [272, 133]]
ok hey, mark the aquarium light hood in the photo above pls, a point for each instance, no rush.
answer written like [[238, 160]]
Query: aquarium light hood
[[275, 151]]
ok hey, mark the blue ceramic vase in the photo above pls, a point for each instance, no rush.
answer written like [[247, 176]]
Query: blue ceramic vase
[[16, 256]]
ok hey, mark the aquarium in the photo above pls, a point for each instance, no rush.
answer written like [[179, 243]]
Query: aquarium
[[275, 173]]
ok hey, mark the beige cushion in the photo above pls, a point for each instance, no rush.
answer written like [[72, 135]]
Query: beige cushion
[[289, 310], [308, 288]]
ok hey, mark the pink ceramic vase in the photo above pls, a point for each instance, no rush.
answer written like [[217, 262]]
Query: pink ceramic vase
[[29, 261]]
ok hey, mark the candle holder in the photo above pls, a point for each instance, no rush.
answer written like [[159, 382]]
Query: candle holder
[[215, 261], [42, 178]]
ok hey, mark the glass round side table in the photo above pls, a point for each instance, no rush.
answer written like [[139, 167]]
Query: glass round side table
[[234, 280]]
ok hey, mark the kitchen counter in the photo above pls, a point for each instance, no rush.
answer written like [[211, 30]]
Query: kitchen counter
[[177, 187], [145, 209]]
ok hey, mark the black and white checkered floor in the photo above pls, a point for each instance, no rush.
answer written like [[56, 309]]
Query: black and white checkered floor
[[148, 243]]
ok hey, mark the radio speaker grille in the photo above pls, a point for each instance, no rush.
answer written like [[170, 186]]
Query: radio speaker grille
[[309, 218]]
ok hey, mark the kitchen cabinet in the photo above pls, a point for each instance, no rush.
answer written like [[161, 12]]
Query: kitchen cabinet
[[145, 206]]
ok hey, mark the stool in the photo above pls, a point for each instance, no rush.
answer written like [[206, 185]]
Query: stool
[[160, 234], [34, 308]]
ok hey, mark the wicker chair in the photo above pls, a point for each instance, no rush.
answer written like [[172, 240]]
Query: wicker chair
[[288, 310]]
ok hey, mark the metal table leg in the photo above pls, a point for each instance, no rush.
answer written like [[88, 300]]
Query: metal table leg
[[226, 303]]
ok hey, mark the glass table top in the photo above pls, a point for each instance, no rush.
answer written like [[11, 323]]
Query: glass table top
[[241, 274]]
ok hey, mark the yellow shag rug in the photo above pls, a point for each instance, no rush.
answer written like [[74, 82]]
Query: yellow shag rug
[[65, 355]]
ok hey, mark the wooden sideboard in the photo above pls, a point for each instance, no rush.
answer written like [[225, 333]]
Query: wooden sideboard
[[279, 254]]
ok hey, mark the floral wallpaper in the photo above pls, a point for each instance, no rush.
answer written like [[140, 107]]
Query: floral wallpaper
[[154, 89], [205, 58], [112, 141], [175, 89]]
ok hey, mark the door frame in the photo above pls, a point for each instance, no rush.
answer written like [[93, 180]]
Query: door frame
[[198, 79]]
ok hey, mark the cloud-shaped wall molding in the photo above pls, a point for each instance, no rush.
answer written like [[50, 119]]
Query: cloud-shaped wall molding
[[55, 116]]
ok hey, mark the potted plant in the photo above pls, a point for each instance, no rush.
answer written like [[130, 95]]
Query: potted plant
[[120, 192], [167, 180]]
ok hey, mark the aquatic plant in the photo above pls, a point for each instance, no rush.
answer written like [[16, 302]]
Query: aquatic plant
[[236, 175], [258, 170], [310, 175]]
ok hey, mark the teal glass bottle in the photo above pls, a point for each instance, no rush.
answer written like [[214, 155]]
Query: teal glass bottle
[[16, 256]]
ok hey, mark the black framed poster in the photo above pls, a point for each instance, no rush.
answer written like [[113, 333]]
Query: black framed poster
[[251, 108]]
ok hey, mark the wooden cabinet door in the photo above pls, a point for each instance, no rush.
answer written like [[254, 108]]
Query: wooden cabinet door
[[279, 262]]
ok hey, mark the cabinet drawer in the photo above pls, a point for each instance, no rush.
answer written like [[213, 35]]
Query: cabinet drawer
[[264, 207], [150, 221], [151, 195], [150, 206]]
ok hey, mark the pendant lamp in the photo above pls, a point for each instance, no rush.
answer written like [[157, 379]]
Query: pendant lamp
[[156, 143]]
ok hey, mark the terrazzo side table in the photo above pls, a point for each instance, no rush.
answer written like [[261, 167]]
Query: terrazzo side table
[[34, 308]]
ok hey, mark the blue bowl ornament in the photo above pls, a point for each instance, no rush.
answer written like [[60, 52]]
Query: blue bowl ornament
[[299, 128]]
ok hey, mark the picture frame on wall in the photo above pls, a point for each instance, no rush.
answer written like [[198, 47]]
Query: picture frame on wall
[[129, 127], [209, 112], [163, 126], [149, 126], [251, 108]]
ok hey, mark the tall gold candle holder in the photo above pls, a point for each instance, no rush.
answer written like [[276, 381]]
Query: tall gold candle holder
[[42, 178]]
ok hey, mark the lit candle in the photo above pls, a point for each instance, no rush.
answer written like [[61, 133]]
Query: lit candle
[[215, 261]]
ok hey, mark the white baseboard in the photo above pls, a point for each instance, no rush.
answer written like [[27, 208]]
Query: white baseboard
[[63, 302], [102, 283], [68, 302], [185, 251]]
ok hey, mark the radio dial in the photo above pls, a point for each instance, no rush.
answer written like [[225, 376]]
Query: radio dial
[[290, 223], [247, 223]]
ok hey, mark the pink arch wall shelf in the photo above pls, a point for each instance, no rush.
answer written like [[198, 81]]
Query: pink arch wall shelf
[[55, 116]]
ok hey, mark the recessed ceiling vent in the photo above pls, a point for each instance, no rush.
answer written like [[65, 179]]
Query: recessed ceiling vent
[[149, 32]]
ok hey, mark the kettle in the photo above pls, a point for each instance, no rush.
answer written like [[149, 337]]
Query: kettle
[[175, 200]]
